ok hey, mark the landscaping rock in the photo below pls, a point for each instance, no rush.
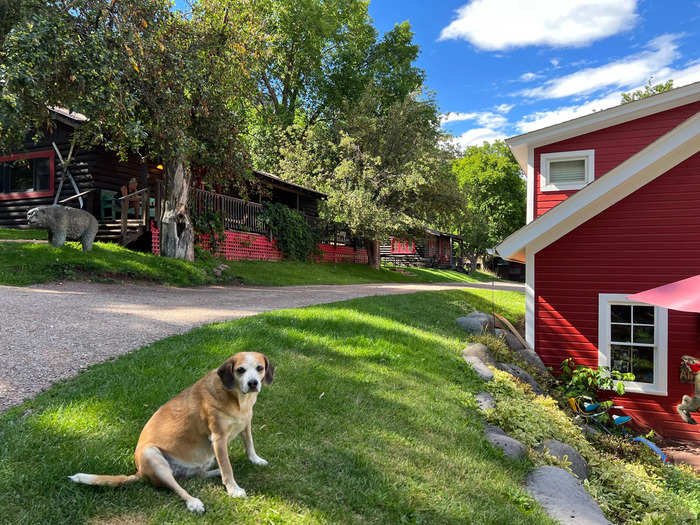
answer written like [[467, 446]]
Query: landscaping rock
[[511, 447], [521, 375], [485, 401], [476, 322], [220, 269], [562, 450], [483, 371], [481, 351], [512, 341], [563, 498]]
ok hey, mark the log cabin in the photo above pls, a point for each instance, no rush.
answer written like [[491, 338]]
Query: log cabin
[[433, 249]]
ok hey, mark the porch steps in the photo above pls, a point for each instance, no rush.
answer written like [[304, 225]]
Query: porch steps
[[112, 232]]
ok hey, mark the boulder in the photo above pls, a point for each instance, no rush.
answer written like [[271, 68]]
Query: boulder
[[511, 447], [481, 351], [512, 341], [562, 450], [563, 498], [521, 375], [485, 401], [476, 322], [483, 371]]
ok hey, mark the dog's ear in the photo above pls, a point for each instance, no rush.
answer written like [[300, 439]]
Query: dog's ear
[[225, 372], [269, 371]]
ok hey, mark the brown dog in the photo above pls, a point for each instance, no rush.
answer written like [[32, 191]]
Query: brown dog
[[188, 433]]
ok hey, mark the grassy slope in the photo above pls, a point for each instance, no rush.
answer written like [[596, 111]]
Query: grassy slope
[[14, 233], [371, 419], [22, 264]]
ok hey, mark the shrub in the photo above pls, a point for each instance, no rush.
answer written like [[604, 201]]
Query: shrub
[[294, 237]]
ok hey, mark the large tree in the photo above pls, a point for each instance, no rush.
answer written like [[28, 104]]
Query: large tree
[[152, 82], [382, 167], [493, 193]]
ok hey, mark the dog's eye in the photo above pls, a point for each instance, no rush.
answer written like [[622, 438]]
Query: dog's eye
[[240, 370], [260, 368]]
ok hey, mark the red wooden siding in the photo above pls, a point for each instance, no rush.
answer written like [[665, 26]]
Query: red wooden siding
[[403, 246], [612, 147], [650, 238]]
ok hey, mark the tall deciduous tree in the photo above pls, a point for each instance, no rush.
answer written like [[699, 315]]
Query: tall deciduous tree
[[151, 81], [493, 193]]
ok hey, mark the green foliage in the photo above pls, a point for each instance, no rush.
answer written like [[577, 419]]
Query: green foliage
[[493, 197], [294, 236], [647, 91], [211, 224], [580, 380]]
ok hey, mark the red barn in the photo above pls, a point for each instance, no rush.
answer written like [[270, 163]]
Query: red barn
[[613, 208]]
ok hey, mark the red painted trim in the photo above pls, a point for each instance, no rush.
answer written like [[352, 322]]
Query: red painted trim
[[401, 246], [31, 194]]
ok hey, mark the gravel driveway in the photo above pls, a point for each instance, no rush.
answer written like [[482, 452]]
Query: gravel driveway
[[52, 331]]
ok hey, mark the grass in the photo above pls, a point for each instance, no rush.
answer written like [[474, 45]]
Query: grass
[[22, 264], [14, 233], [372, 419]]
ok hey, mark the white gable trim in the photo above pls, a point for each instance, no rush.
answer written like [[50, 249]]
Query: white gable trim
[[660, 156], [602, 119]]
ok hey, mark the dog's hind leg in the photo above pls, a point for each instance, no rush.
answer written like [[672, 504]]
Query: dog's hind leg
[[156, 468], [211, 473]]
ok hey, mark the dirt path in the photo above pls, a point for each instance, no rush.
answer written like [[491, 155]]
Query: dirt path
[[52, 331]]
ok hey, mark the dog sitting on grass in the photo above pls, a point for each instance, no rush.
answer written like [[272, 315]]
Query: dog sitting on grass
[[192, 431]]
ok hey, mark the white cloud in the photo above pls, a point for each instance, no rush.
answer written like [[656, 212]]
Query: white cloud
[[623, 73], [554, 62], [483, 118], [528, 77], [504, 108], [541, 119], [503, 24], [477, 136]]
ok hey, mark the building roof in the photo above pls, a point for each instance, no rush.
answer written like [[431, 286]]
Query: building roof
[[443, 234], [288, 185], [681, 96], [657, 158], [67, 116]]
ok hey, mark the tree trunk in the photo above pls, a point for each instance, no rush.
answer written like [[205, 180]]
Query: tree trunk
[[177, 234], [373, 256]]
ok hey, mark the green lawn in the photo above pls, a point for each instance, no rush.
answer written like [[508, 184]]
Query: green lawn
[[22, 264], [14, 233], [371, 419]]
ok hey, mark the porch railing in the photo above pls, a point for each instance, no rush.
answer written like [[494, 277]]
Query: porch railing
[[237, 214]]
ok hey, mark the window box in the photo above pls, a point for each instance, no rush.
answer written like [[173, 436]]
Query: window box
[[27, 175], [633, 337], [569, 170]]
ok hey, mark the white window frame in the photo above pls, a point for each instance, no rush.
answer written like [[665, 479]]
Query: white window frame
[[660, 385], [587, 155]]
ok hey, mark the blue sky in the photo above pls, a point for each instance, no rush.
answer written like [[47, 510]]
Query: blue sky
[[504, 67]]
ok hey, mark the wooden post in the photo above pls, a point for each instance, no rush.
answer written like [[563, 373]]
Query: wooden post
[[125, 214], [146, 210]]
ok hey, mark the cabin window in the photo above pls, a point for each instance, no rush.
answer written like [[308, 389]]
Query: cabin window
[[570, 170], [633, 338], [27, 175]]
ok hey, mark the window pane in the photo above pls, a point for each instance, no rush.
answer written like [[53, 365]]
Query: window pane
[[644, 334], [621, 333], [643, 364], [42, 173], [644, 314], [21, 177], [620, 313], [567, 171], [620, 358]]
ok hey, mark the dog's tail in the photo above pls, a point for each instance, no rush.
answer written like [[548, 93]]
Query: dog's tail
[[110, 481]]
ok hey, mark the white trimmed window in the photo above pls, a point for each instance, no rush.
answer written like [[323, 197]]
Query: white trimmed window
[[633, 337], [569, 170]]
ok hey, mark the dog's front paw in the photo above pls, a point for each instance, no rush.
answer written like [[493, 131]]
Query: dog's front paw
[[257, 460], [235, 491], [195, 505]]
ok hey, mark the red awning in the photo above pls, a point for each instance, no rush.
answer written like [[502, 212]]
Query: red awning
[[682, 295]]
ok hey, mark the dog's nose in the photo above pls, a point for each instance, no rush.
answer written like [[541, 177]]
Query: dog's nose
[[253, 384]]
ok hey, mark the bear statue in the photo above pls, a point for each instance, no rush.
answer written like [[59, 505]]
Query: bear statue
[[64, 223]]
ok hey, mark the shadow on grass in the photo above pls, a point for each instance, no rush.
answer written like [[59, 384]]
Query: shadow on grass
[[371, 420]]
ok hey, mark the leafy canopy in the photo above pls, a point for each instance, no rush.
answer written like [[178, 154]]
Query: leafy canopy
[[647, 91]]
